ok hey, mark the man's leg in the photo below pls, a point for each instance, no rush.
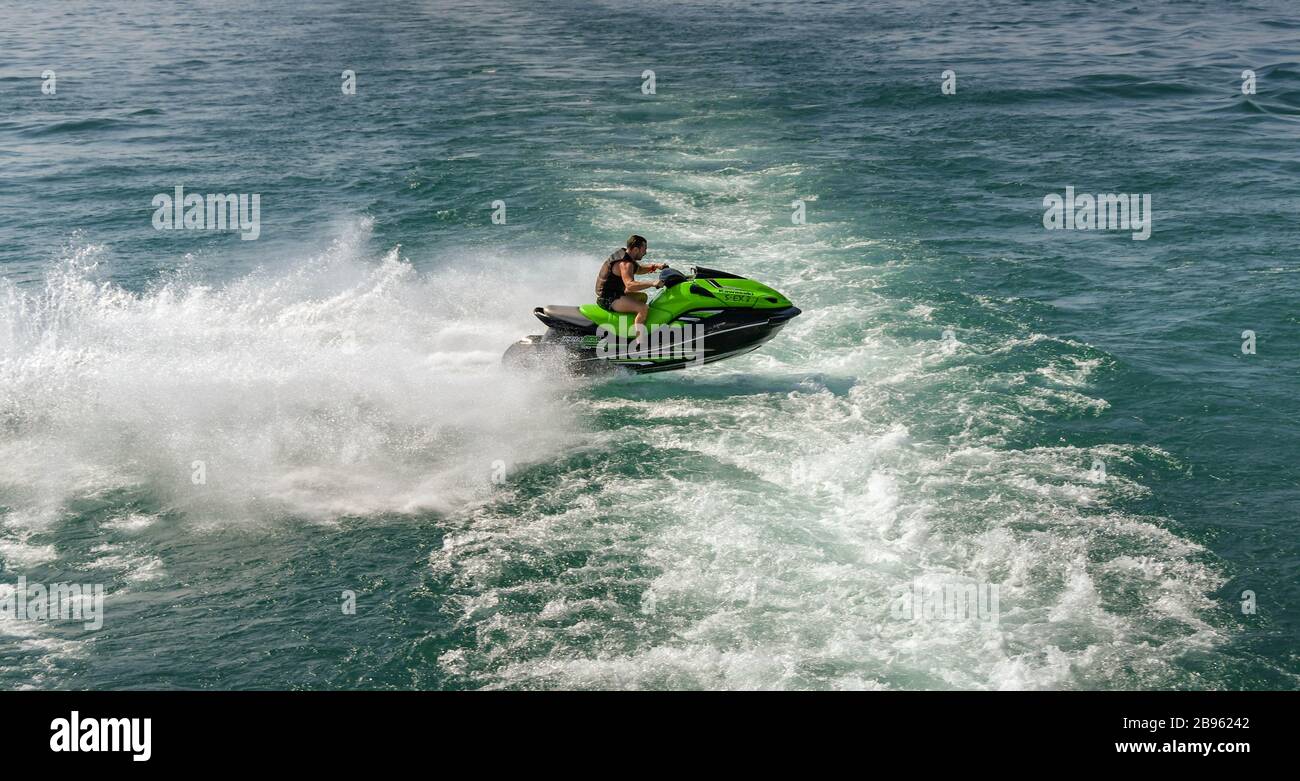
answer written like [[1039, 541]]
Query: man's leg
[[634, 302]]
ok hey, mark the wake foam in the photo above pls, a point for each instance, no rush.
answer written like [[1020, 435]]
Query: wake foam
[[340, 385]]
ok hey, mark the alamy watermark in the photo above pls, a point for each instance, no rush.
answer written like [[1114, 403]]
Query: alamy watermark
[[234, 211], [951, 600], [685, 342], [56, 602], [1249, 606], [1110, 211], [948, 83], [91, 734]]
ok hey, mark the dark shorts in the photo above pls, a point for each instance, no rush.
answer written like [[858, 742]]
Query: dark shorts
[[605, 303]]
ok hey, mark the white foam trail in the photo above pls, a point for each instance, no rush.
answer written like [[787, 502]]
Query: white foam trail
[[791, 492], [339, 385]]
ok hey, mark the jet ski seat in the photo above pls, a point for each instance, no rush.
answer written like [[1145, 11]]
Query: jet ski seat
[[568, 314]]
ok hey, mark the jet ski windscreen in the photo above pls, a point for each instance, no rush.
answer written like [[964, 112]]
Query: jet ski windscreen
[[710, 273], [671, 276]]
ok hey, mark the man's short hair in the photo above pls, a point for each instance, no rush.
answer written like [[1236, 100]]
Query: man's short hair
[[635, 241]]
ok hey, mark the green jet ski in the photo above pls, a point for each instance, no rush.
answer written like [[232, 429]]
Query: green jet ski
[[697, 318]]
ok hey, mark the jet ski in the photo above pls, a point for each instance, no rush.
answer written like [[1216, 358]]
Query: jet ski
[[698, 317]]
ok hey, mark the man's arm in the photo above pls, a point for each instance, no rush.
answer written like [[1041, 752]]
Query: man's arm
[[629, 281]]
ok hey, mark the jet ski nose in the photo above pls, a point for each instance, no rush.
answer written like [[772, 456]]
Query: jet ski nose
[[789, 313]]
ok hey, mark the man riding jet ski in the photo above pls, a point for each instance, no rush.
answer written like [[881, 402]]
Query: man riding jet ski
[[616, 288], [700, 317]]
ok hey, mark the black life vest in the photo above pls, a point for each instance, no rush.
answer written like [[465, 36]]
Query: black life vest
[[609, 282]]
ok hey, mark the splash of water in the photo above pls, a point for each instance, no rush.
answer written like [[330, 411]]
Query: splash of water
[[340, 385]]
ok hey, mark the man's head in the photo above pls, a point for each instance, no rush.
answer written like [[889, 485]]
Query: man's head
[[636, 247]]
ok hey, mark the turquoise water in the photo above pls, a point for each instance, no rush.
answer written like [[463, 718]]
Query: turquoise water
[[741, 526]]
